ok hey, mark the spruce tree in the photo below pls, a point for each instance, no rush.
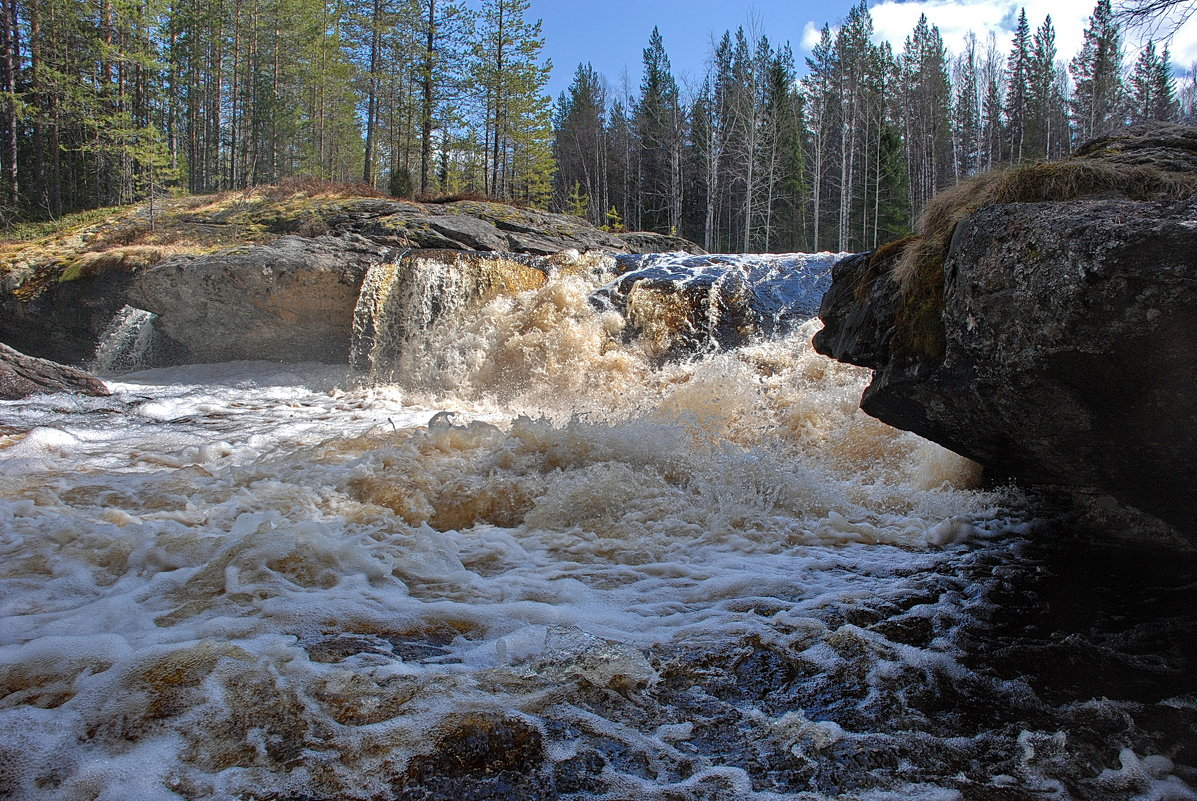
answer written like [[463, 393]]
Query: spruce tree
[[579, 140], [926, 96], [658, 126], [819, 85], [1151, 88], [1018, 89], [966, 111], [992, 107], [1047, 127], [1098, 103]]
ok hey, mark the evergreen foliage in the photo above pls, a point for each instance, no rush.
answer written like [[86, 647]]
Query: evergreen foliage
[[1152, 89], [1098, 104], [104, 102]]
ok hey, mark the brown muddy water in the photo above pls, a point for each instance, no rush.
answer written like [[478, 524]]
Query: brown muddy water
[[539, 553]]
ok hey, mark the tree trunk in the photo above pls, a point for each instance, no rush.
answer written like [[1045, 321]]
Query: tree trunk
[[8, 84], [426, 109], [372, 93], [498, 126]]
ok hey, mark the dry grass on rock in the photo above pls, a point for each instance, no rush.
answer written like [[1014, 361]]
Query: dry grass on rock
[[35, 256], [918, 269]]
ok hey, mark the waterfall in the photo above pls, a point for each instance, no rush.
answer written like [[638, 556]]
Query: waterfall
[[405, 306], [439, 318], [125, 344]]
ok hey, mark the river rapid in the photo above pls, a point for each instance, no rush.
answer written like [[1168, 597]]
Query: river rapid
[[538, 554]]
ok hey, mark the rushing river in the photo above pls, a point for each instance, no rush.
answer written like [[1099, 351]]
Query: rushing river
[[538, 554]]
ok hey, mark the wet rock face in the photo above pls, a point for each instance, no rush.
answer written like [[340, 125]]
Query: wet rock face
[[682, 306], [22, 376], [291, 300], [63, 323], [1071, 348]]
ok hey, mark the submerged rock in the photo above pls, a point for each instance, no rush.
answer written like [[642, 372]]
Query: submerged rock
[[22, 376], [1068, 349], [682, 304], [480, 757]]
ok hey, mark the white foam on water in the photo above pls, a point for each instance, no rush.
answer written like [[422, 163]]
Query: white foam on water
[[247, 580]]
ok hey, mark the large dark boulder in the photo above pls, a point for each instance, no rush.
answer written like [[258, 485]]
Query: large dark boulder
[[22, 376], [1065, 351], [64, 321]]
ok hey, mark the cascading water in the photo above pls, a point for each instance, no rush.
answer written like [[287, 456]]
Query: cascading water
[[608, 575], [126, 342], [405, 305]]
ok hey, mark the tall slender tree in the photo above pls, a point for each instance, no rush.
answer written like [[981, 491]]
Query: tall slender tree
[[659, 131], [966, 111], [1018, 89], [925, 106], [1098, 103]]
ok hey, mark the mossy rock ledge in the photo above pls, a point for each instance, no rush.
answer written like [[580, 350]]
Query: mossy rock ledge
[[1061, 345]]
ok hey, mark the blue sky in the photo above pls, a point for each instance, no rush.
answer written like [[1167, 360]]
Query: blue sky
[[611, 34]]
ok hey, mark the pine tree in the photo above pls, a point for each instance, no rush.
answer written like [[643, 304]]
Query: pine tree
[[508, 70], [444, 27], [578, 203]]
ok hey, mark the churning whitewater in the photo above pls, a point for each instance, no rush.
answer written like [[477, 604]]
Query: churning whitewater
[[547, 539]]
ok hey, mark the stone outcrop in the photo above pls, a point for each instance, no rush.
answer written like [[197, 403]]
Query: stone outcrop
[[291, 300], [287, 294], [476, 225], [22, 376], [1068, 350]]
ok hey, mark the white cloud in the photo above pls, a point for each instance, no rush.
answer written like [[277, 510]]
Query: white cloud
[[810, 35], [893, 21]]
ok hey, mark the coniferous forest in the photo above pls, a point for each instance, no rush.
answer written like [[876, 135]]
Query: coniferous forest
[[108, 101]]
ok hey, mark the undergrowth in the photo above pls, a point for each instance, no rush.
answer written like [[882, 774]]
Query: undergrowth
[[33, 230], [478, 197]]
